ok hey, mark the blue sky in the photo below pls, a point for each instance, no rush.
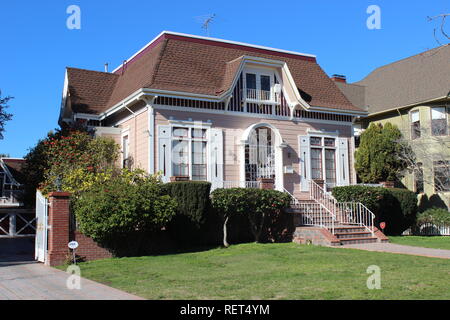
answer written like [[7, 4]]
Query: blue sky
[[37, 45]]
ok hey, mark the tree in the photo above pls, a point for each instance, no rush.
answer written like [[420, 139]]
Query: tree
[[4, 116], [377, 159], [58, 161], [443, 33]]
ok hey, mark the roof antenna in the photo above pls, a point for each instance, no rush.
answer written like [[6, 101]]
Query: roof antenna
[[206, 21]]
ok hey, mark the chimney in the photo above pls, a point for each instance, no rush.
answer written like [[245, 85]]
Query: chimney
[[339, 78], [106, 67]]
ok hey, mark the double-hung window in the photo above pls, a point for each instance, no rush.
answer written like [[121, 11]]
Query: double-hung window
[[415, 125], [439, 126], [323, 159], [189, 152], [441, 176]]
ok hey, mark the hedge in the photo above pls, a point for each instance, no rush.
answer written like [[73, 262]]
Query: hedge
[[192, 210], [396, 207], [124, 216]]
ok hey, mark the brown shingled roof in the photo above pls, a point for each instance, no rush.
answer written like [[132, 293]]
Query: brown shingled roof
[[191, 65], [15, 167], [90, 91], [409, 81]]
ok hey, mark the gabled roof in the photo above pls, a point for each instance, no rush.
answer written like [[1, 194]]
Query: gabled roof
[[195, 65], [410, 81], [14, 168]]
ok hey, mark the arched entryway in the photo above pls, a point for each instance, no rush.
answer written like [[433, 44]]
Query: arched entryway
[[262, 155]]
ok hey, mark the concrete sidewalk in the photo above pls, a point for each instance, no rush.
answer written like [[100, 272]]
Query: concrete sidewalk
[[34, 281], [397, 248]]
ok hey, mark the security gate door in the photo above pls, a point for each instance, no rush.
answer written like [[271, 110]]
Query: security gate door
[[41, 227]]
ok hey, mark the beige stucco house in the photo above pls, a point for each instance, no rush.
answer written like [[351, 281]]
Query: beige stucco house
[[414, 94]]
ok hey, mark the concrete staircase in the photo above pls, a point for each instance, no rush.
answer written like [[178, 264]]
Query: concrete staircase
[[324, 221]]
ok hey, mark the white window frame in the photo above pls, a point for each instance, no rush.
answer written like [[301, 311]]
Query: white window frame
[[192, 125], [323, 148], [445, 117], [411, 113], [260, 72], [125, 133]]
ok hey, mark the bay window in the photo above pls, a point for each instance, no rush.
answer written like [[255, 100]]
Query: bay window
[[415, 125], [441, 176], [439, 126]]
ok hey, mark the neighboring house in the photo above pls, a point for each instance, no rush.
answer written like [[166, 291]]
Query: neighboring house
[[11, 182], [414, 94], [16, 220], [230, 113]]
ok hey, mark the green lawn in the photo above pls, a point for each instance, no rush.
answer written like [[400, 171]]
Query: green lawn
[[426, 242], [274, 271]]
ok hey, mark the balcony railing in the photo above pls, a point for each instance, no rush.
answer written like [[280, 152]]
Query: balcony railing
[[262, 96], [11, 197]]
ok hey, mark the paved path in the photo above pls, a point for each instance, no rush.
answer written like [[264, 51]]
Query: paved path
[[398, 248], [34, 281]]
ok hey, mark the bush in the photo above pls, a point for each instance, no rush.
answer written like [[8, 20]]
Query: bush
[[262, 208], [396, 207], [122, 215], [193, 206], [436, 216]]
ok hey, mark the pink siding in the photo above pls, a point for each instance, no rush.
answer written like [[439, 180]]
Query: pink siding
[[138, 127], [233, 129]]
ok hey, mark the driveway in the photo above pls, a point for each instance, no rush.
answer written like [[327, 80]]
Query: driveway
[[23, 279]]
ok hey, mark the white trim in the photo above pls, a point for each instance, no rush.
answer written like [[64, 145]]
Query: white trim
[[250, 115], [279, 146], [216, 40], [125, 133], [131, 116]]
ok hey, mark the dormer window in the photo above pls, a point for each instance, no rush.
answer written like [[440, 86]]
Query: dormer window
[[259, 86]]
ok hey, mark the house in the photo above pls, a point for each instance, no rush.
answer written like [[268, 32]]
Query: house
[[16, 220], [11, 182], [222, 111], [414, 94], [235, 114]]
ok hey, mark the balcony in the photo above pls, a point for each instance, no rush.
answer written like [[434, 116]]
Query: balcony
[[261, 96], [11, 198]]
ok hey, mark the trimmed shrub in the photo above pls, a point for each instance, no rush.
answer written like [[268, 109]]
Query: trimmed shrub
[[123, 216], [396, 207], [193, 207], [262, 208], [436, 216]]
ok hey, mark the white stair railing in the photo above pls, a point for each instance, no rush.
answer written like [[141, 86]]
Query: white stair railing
[[353, 213], [313, 213]]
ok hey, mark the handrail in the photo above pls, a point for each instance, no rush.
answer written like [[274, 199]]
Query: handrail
[[345, 212], [311, 210]]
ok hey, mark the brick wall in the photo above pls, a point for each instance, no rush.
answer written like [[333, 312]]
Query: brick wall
[[61, 232], [88, 249]]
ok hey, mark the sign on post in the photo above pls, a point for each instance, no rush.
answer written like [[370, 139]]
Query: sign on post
[[72, 246]]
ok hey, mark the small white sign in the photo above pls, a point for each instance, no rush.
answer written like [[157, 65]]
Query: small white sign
[[73, 245]]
